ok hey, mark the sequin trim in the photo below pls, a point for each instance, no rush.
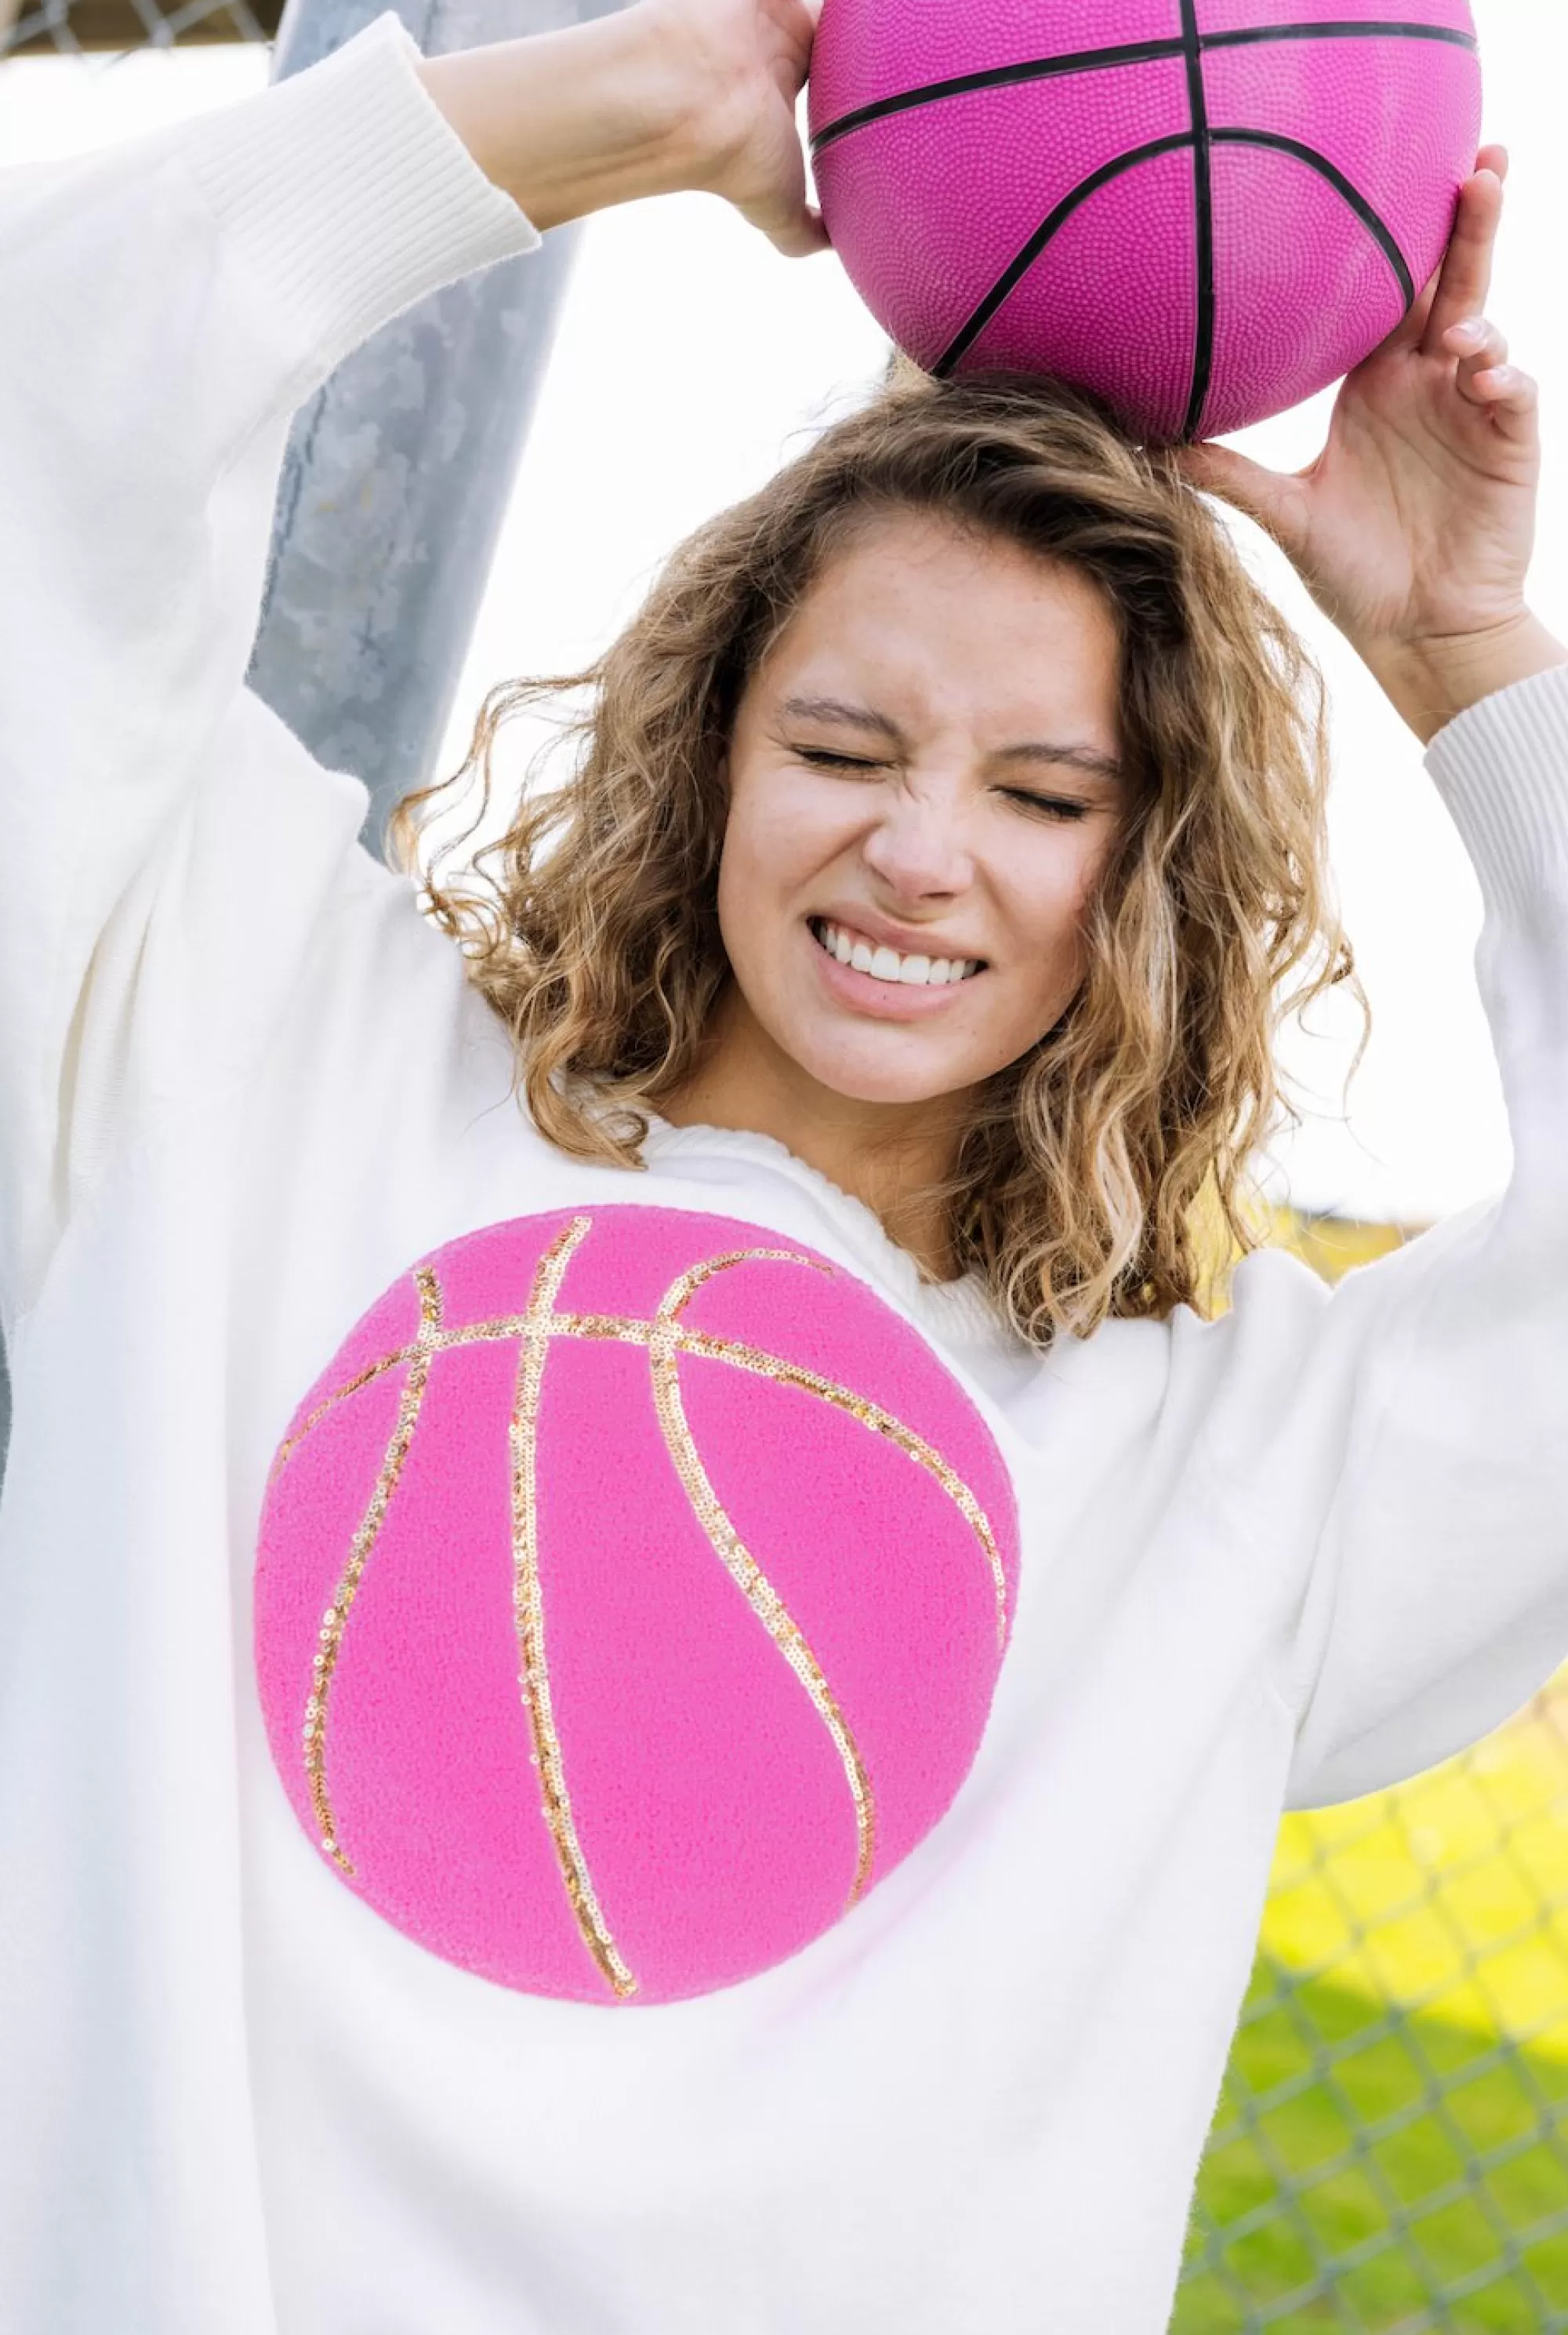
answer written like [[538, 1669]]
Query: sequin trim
[[627, 1330], [663, 1359], [666, 1339], [334, 1621], [528, 1608], [871, 1415]]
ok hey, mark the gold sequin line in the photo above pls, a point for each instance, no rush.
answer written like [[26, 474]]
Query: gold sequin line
[[666, 1339], [334, 1621], [880, 1422], [528, 1610], [663, 1357], [497, 1332], [627, 1330], [474, 1334]]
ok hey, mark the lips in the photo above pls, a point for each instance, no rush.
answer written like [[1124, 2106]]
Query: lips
[[897, 968]]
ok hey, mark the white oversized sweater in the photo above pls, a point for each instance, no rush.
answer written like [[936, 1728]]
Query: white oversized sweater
[[1286, 1558]]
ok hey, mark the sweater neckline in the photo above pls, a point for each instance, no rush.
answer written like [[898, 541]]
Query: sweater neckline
[[955, 1312]]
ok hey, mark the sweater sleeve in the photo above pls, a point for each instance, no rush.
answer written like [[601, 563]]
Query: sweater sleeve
[[1433, 1403], [168, 305]]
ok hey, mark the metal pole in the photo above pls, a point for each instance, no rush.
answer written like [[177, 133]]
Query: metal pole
[[399, 470]]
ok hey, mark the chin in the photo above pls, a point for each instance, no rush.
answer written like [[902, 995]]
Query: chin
[[869, 1076]]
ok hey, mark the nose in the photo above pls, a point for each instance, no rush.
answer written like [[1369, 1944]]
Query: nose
[[918, 847]]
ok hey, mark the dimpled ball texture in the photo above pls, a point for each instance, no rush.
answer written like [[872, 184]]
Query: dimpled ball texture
[[632, 1592], [1202, 210]]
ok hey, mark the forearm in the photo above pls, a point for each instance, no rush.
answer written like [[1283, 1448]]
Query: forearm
[[661, 96], [1432, 686], [571, 122], [166, 305]]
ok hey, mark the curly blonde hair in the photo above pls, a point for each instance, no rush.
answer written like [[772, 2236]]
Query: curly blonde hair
[[591, 925]]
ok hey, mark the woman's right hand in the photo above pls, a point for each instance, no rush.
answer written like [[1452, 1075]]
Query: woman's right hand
[[743, 64], [662, 96]]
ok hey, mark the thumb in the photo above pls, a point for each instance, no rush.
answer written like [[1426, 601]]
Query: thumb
[[1274, 499], [801, 235]]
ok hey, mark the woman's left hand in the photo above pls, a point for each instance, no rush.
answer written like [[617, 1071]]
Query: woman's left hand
[[1413, 530]]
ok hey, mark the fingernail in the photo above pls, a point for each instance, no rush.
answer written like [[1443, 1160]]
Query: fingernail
[[1470, 333]]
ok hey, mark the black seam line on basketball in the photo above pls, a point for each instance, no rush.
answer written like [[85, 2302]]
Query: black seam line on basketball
[[1203, 222], [1007, 282], [1013, 273], [1383, 234], [1361, 29], [1131, 53], [995, 77]]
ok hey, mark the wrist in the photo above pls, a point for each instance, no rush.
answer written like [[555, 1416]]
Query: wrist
[[1431, 682], [572, 121]]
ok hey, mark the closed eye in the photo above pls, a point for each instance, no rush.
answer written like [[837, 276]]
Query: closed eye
[[823, 758], [1062, 807], [1057, 807]]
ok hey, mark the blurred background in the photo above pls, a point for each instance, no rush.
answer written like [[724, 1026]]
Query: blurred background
[[1391, 2149]]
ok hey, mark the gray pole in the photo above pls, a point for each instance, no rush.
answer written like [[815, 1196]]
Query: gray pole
[[399, 470], [398, 474]]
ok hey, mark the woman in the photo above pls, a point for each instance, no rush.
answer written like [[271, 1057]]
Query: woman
[[944, 832]]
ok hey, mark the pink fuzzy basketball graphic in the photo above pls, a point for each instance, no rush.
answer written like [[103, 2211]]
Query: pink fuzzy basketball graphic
[[631, 1590], [1203, 210]]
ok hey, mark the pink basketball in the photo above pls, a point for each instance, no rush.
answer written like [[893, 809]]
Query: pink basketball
[[1203, 210], [631, 1590]]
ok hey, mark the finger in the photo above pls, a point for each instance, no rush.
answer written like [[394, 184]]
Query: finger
[[800, 237], [1479, 344], [1411, 331], [1465, 278], [1511, 398], [1271, 498]]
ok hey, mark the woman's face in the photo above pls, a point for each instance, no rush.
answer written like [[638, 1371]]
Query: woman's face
[[924, 790]]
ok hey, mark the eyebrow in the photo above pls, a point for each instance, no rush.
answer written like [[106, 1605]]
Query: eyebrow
[[1087, 759], [864, 718], [846, 717]]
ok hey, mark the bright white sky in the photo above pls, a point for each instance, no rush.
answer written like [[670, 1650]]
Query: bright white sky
[[690, 357]]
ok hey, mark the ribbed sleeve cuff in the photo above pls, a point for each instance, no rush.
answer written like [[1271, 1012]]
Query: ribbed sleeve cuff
[[1501, 767], [350, 190]]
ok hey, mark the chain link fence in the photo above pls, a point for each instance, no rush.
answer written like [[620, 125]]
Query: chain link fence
[[1391, 2154], [74, 27], [1391, 2149]]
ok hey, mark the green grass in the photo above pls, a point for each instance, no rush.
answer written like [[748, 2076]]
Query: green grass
[[1379, 2171]]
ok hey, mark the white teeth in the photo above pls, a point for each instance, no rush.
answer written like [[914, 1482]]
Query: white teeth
[[913, 972]]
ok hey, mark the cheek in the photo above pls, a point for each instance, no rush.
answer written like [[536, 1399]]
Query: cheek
[[777, 839], [747, 893], [1047, 908]]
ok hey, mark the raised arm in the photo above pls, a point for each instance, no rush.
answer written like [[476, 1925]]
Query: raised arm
[[166, 306], [1430, 1407]]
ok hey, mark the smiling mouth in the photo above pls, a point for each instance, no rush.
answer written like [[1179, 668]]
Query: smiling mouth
[[882, 963]]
